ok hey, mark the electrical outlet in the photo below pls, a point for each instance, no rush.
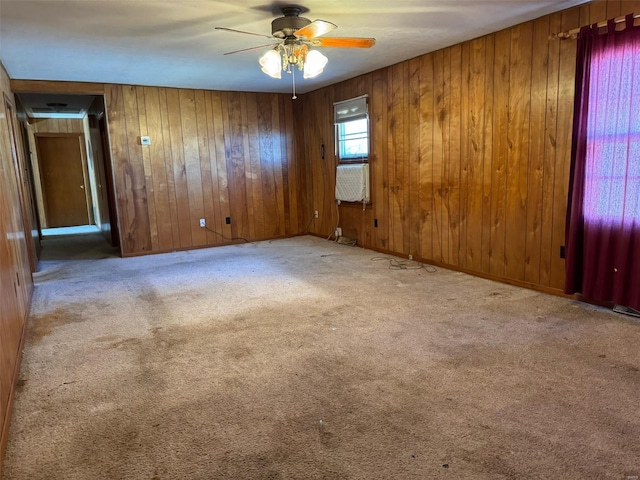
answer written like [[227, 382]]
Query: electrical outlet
[[338, 232], [203, 223], [228, 220], [410, 257], [315, 214]]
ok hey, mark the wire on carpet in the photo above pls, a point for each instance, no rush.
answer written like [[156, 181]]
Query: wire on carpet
[[397, 264], [226, 238], [337, 223], [313, 217]]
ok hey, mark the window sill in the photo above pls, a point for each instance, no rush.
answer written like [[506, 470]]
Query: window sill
[[355, 204]]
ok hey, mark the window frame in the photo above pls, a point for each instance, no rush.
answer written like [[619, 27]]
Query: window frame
[[340, 141], [360, 106]]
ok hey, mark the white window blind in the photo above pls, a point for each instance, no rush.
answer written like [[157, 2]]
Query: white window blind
[[348, 110]]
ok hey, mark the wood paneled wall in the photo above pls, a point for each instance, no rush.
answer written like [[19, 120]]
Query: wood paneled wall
[[57, 125], [16, 284], [470, 151], [213, 155]]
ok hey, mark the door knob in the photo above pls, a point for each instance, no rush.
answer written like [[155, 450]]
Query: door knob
[[82, 186]]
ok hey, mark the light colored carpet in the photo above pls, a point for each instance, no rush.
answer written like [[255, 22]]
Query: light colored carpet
[[303, 359]]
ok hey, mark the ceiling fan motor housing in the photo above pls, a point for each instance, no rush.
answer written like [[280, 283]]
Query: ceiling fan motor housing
[[286, 26]]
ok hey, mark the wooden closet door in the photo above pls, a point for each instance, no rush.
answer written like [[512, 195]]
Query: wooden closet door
[[62, 177]]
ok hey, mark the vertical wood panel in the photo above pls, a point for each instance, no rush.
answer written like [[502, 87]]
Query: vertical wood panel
[[246, 174], [277, 167], [475, 152], [570, 19], [412, 143], [267, 147], [216, 136], [598, 11], [284, 168], [179, 167], [137, 228], [455, 158], [426, 182], [158, 175], [518, 149], [488, 154], [380, 188], [500, 152], [550, 154], [146, 165], [627, 6], [540, 61], [613, 8], [396, 157], [204, 162], [193, 174], [172, 196], [465, 156], [439, 226], [292, 207], [445, 186]]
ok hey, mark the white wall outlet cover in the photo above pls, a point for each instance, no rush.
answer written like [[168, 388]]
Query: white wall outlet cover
[[145, 140]]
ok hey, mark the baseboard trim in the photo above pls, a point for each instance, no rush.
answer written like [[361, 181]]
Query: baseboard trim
[[487, 276], [4, 435], [198, 247]]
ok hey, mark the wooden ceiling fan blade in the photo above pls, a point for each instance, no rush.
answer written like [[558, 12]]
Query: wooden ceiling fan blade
[[344, 42], [242, 31], [252, 48], [315, 29]]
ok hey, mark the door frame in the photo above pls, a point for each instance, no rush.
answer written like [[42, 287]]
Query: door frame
[[83, 88], [103, 127], [85, 173], [24, 185]]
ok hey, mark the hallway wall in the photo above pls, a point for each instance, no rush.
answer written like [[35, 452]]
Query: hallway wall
[[16, 284]]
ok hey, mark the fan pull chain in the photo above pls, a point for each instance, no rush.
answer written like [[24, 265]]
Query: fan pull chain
[[293, 78]]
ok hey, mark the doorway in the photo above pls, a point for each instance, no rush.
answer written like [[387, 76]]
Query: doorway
[[64, 131], [63, 176]]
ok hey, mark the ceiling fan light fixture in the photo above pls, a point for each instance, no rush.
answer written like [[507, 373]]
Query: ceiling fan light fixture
[[271, 64], [314, 64]]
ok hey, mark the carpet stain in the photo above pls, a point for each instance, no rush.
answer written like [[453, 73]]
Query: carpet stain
[[332, 383], [106, 338], [126, 343], [43, 325]]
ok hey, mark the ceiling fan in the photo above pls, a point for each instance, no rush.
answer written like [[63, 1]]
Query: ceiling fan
[[294, 35]]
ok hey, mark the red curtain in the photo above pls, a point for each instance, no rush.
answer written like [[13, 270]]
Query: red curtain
[[603, 218]]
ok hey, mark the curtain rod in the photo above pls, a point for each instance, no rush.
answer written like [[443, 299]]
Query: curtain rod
[[573, 33]]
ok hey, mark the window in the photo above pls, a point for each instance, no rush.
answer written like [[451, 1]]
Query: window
[[353, 140], [612, 176], [603, 218], [352, 130]]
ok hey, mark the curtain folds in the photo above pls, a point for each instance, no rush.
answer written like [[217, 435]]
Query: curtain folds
[[603, 216]]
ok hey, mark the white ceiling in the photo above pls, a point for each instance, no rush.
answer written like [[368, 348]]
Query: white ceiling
[[173, 42]]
